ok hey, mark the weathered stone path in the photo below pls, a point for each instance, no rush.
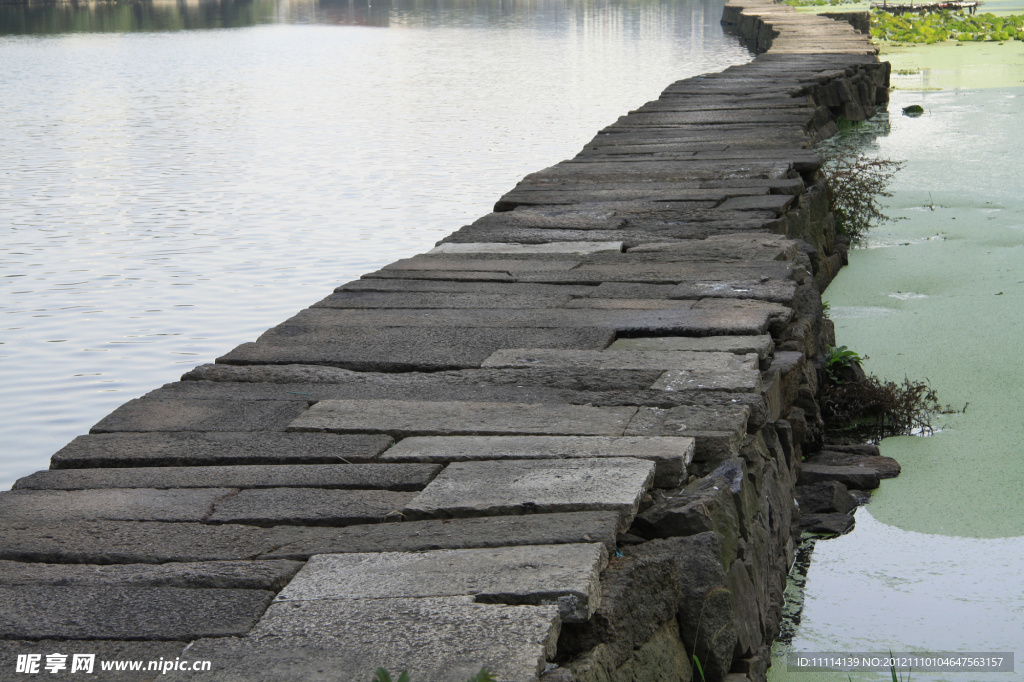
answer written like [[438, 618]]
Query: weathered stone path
[[563, 444]]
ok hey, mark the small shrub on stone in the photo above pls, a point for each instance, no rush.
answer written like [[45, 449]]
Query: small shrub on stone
[[855, 183], [873, 409]]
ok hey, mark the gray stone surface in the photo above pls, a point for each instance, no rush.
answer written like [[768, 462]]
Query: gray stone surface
[[826, 524], [310, 506], [252, 575], [131, 613], [342, 476], [776, 290], [442, 639], [435, 299], [117, 542], [853, 477], [404, 349], [551, 247], [732, 380], [761, 345], [670, 455], [103, 650], [536, 486], [200, 415], [566, 576], [621, 359], [824, 498], [127, 504], [885, 467], [198, 449], [419, 418]]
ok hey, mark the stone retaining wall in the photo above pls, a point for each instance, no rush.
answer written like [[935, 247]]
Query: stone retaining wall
[[564, 444]]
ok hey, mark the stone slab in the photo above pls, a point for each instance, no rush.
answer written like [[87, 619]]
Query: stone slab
[[761, 345], [671, 456], [463, 533], [885, 467], [622, 359], [200, 415], [435, 299], [672, 318], [775, 290], [419, 418], [501, 487], [441, 639], [126, 504], [200, 449], [442, 286], [129, 613], [341, 476], [310, 506], [577, 247], [566, 576], [718, 430], [252, 575], [730, 380], [853, 477], [405, 349], [117, 542]]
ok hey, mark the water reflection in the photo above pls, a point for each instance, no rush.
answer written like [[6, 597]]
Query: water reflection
[[165, 196]]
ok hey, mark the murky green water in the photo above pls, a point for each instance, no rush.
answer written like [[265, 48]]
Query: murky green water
[[937, 558]]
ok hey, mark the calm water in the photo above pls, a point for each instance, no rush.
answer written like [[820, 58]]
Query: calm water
[[936, 559], [176, 178]]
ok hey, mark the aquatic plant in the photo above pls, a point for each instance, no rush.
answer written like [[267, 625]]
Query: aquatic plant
[[872, 409], [838, 358], [820, 3], [938, 27], [855, 183]]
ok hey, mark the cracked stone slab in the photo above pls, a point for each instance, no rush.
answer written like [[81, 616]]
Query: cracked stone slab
[[252, 575], [119, 542], [200, 415], [566, 576], [199, 449], [128, 613], [550, 247], [775, 290], [621, 359], [340, 476], [404, 349], [321, 641], [129, 504], [761, 345], [421, 418], [310, 506], [729, 380], [494, 488], [671, 455]]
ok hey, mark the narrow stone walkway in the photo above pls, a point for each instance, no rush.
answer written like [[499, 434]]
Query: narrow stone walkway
[[448, 463]]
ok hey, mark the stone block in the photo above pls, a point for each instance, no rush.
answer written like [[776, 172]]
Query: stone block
[[349, 639], [825, 497], [853, 477], [536, 486], [332, 476], [117, 542], [621, 359], [130, 613], [252, 575], [310, 506], [729, 381], [126, 504], [566, 576], [420, 418], [579, 247], [826, 524], [201, 415], [670, 455], [719, 430], [405, 349], [885, 467], [200, 449], [435, 299], [741, 345]]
